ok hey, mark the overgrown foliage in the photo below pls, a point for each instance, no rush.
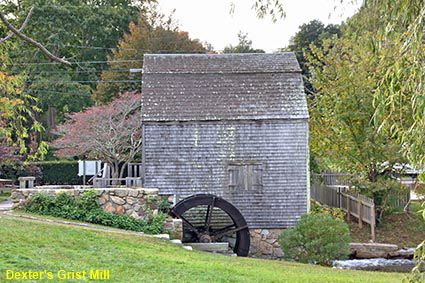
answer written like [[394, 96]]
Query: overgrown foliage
[[385, 192], [318, 239], [86, 208]]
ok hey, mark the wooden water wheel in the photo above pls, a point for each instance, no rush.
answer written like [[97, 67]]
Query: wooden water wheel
[[208, 218]]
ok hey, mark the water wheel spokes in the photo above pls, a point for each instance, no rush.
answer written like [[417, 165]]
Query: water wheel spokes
[[207, 218]]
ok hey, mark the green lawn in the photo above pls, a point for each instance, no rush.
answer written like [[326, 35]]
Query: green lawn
[[28, 245]]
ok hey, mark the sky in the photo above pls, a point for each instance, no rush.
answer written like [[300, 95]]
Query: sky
[[211, 21]]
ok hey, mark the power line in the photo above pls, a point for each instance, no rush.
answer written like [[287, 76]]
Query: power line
[[89, 47], [60, 92], [117, 61], [76, 63], [75, 72], [132, 49]]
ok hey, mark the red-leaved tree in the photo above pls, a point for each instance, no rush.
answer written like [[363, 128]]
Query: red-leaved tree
[[110, 132], [8, 153]]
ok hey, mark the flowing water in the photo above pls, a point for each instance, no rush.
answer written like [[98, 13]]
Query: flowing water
[[376, 264]]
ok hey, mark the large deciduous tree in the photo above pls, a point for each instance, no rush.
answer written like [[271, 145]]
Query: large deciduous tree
[[153, 33], [110, 132], [345, 76]]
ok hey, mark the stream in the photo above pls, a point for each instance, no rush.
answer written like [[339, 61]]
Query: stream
[[376, 264]]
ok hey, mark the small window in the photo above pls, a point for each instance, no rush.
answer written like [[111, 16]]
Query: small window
[[245, 176]]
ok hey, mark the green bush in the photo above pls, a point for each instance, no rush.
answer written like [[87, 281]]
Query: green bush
[[318, 239], [85, 208], [62, 172]]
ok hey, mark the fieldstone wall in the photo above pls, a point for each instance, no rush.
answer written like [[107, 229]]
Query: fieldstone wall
[[265, 243], [138, 203]]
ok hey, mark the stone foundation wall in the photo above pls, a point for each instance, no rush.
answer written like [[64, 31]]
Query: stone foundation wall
[[174, 228], [265, 243]]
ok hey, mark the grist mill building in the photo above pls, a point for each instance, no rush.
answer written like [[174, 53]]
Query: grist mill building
[[232, 125]]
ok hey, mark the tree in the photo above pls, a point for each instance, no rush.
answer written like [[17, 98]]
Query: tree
[[314, 32], [109, 132], [395, 35], [18, 32], [153, 33], [345, 75], [7, 152], [244, 45], [18, 124], [272, 8], [389, 33], [79, 30]]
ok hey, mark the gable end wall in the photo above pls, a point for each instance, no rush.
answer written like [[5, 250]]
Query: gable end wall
[[192, 157]]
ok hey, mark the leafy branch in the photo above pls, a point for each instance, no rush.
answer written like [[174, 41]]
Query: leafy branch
[[17, 32]]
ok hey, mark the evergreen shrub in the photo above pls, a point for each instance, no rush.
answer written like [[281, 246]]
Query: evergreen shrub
[[318, 239]]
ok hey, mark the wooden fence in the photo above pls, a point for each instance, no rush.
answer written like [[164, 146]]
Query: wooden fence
[[397, 199], [334, 179], [354, 204], [113, 182]]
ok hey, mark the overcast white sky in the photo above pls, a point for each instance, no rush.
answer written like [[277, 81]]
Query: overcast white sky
[[211, 21]]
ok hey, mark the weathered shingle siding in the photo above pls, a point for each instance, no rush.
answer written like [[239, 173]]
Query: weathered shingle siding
[[192, 157], [200, 97]]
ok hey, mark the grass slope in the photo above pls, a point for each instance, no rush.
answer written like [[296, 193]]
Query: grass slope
[[28, 245]]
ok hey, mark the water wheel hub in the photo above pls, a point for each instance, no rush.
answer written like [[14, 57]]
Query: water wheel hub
[[205, 238]]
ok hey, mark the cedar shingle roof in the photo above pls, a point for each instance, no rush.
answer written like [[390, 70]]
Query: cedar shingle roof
[[222, 87]]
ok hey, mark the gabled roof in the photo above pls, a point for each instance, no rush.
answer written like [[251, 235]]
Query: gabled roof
[[205, 87]]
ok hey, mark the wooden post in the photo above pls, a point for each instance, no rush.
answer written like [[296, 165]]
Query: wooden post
[[359, 210], [84, 172], [340, 198], [372, 222], [348, 207]]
